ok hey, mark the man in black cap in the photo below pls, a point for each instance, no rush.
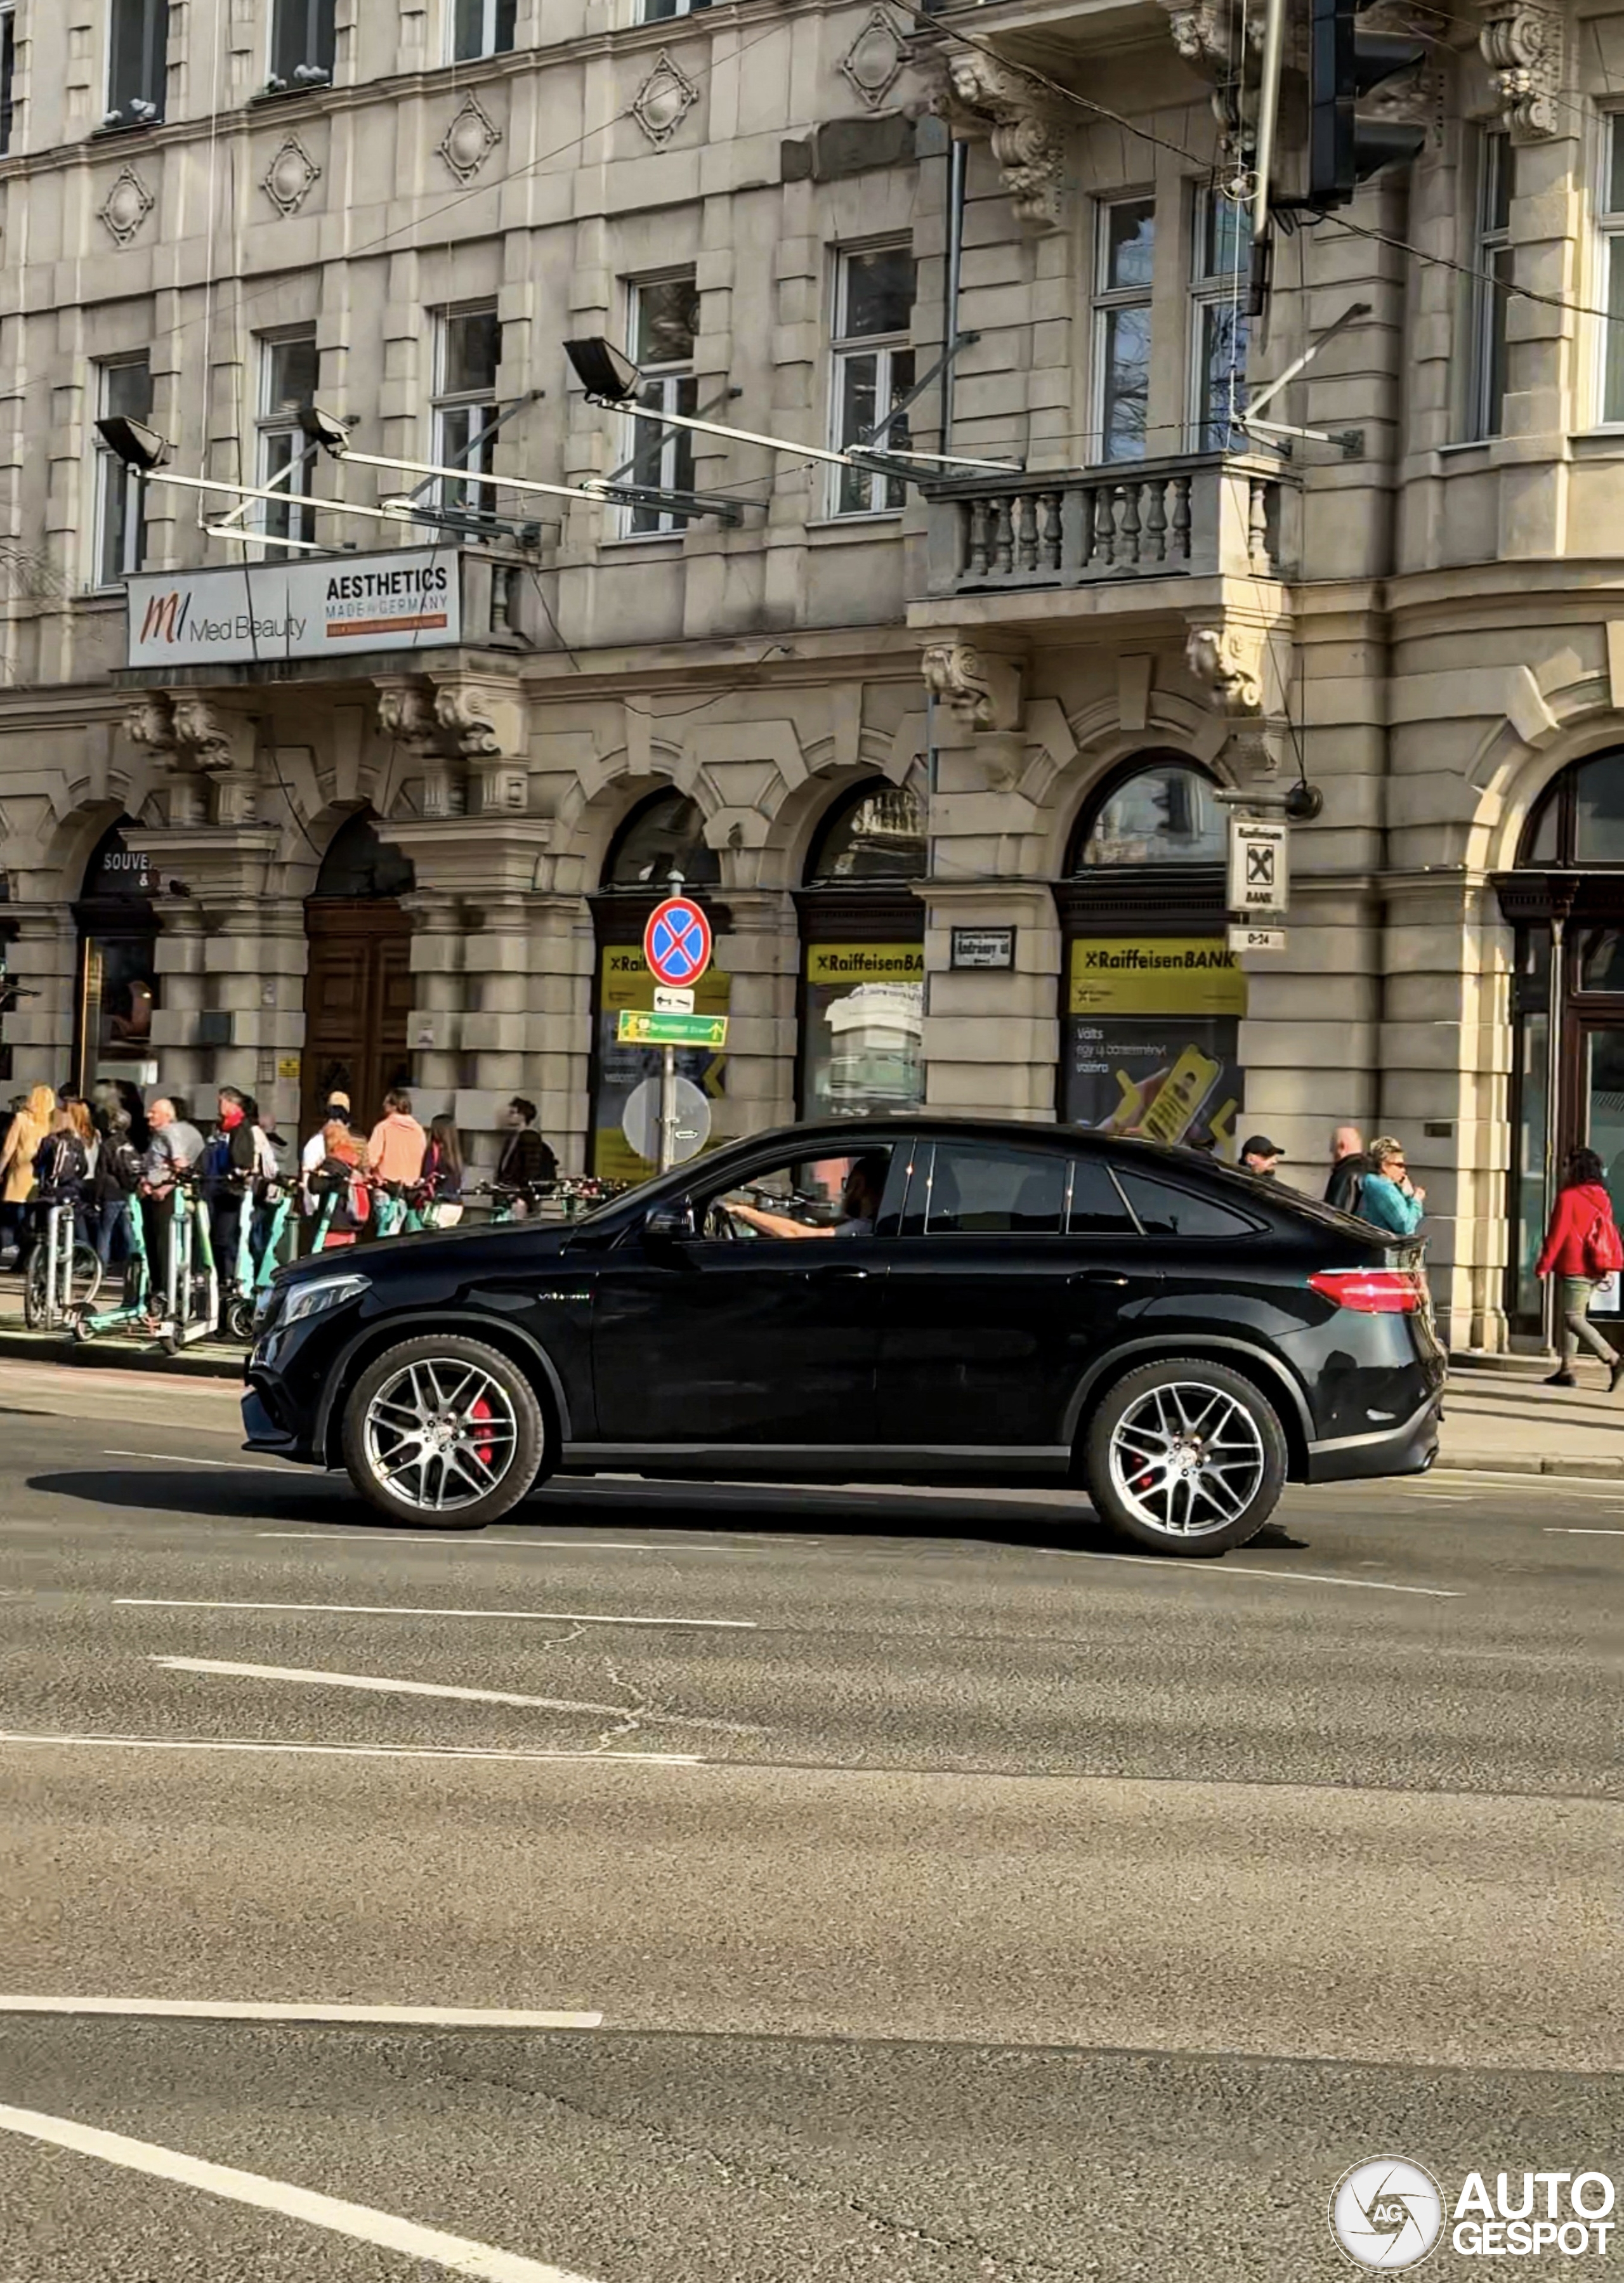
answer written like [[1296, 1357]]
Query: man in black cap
[[1260, 1155]]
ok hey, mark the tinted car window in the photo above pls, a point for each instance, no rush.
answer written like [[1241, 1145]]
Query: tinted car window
[[814, 1194], [1164, 1211], [1097, 1202], [992, 1192]]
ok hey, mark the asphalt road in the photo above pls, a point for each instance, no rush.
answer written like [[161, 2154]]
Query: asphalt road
[[936, 1894]]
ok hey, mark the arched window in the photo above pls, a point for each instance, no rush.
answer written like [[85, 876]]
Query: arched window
[[1579, 819], [661, 844], [875, 832], [118, 956], [1159, 812], [358, 866]]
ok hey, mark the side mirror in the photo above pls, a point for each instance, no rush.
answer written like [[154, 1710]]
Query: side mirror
[[668, 1224]]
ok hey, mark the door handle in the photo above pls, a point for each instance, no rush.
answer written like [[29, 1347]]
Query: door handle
[[847, 1275], [1096, 1276]]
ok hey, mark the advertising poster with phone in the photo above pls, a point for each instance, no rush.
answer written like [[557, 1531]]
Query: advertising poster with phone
[[1152, 1038], [624, 981]]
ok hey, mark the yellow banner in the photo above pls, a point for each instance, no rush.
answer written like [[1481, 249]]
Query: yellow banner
[[627, 981], [1156, 975], [865, 963]]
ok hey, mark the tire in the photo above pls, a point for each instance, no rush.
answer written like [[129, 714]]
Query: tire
[[239, 1319], [486, 1406], [35, 1293], [1229, 1457]]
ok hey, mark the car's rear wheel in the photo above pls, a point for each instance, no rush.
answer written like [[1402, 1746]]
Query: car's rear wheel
[[1188, 1457], [443, 1433]]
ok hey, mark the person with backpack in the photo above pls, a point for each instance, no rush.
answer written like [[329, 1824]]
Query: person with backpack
[[441, 1182], [1583, 1247], [344, 1170], [113, 1186], [230, 1159]]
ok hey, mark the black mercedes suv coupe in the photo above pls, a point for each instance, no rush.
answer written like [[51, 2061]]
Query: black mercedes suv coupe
[[909, 1300]]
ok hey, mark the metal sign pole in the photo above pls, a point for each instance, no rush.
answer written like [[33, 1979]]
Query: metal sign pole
[[1553, 1114], [668, 1109]]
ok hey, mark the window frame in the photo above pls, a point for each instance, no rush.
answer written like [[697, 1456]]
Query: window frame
[[887, 495], [492, 11], [110, 471], [8, 76], [1207, 291], [1607, 229], [1105, 300], [1488, 339], [154, 40], [452, 496], [272, 423], [654, 12], [916, 1224], [670, 379], [320, 32]]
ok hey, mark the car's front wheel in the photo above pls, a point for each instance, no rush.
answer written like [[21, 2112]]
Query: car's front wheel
[[443, 1433], [1186, 1457]]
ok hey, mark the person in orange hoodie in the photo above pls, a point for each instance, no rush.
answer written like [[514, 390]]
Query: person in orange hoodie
[[1582, 1246], [397, 1142]]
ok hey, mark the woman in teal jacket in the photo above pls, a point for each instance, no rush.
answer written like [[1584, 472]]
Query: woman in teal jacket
[[1389, 1197]]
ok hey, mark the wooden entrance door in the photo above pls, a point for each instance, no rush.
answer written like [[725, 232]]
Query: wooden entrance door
[[358, 1002]]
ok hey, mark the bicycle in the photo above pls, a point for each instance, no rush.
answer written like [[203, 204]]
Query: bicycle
[[64, 1273]]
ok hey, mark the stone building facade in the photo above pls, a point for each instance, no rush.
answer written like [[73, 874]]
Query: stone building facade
[[943, 757]]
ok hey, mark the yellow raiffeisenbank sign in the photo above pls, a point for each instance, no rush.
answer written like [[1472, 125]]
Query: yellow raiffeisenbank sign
[[1156, 975], [865, 963]]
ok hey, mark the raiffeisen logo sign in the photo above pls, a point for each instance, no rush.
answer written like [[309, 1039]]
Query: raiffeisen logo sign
[[1391, 2213], [407, 600]]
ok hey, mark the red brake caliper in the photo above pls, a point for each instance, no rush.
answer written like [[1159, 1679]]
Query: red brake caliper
[[483, 1444]]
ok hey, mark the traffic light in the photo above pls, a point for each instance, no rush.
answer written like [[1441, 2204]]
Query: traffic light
[[1344, 63]]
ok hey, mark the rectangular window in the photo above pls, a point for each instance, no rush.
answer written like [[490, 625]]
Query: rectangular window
[[303, 43], [481, 27], [1492, 261], [123, 388], [653, 10], [873, 368], [1125, 247], [288, 382], [137, 55], [1609, 220], [468, 352], [665, 318], [8, 70], [1220, 288]]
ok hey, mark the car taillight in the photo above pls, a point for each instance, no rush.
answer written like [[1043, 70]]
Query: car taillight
[[1370, 1291]]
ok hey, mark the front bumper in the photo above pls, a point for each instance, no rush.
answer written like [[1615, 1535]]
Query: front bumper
[[1409, 1448]]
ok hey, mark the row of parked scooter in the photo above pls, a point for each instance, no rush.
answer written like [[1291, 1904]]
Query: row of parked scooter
[[187, 1295]]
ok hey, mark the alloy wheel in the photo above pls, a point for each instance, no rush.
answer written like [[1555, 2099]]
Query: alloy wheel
[[1187, 1460], [439, 1435]]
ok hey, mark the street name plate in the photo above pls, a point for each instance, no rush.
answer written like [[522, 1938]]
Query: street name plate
[[633, 1028], [1257, 938], [987, 947]]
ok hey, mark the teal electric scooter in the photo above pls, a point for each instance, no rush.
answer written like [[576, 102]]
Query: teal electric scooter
[[191, 1295], [136, 1306]]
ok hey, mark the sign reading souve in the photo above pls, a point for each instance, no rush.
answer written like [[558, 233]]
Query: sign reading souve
[[408, 599]]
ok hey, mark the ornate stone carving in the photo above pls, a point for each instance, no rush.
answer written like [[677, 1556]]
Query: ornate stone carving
[[979, 688], [465, 716], [1522, 45], [875, 58], [126, 206], [406, 715], [288, 180], [203, 736], [469, 140], [1200, 30], [985, 97], [1228, 661], [147, 722], [663, 101]]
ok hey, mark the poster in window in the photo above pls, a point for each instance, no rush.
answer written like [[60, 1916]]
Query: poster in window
[[865, 1028], [624, 981], [1152, 1039]]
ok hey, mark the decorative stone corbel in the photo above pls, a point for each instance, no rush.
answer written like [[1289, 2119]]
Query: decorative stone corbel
[[983, 95], [979, 689], [406, 715], [1522, 45], [1228, 661], [198, 744]]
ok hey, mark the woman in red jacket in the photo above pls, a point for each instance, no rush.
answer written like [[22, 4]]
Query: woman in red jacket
[[1582, 1246]]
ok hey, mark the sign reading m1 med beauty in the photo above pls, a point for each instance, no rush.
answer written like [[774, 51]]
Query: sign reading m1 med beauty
[[408, 599]]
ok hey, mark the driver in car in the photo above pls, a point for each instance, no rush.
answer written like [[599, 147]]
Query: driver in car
[[860, 1195]]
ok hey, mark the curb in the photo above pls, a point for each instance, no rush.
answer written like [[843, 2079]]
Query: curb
[[1504, 1462], [47, 1347]]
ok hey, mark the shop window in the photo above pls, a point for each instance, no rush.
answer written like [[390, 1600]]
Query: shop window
[[873, 370], [467, 353], [665, 319], [662, 844], [137, 53], [118, 959], [1579, 819], [876, 833], [1493, 267], [1220, 295], [288, 366], [862, 1006], [481, 27], [1124, 252], [1163, 815], [303, 43], [123, 387]]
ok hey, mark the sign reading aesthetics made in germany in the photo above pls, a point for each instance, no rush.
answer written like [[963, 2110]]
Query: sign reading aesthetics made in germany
[[407, 599]]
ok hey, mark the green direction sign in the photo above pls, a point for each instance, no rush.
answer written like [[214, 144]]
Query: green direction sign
[[633, 1028]]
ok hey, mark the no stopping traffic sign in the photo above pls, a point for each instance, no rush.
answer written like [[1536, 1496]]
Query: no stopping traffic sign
[[676, 942]]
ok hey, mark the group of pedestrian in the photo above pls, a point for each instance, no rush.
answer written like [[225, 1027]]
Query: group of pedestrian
[[342, 1167]]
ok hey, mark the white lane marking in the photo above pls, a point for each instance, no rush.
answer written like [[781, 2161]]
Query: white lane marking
[[459, 2255], [385, 1687], [231, 2009], [465, 1540], [349, 1751], [1175, 1568], [1574, 1486], [183, 1459], [1574, 1530], [385, 1609]]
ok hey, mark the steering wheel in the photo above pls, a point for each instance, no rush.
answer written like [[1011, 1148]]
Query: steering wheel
[[719, 1221]]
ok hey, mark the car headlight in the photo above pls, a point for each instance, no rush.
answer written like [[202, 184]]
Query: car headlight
[[320, 1294]]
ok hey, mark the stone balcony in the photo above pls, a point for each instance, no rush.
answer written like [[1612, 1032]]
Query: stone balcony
[[1197, 516]]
